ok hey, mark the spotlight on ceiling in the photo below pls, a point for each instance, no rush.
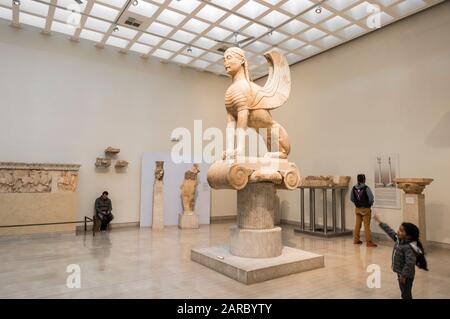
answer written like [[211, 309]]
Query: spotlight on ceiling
[[79, 2], [318, 10], [189, 50], [16, 2], [116, 28], [135, 2]]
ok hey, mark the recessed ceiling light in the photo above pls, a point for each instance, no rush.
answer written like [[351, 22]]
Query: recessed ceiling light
[[16, 2], [318, 10], [116, 28], [189, 50], [135, 2], [79, 2]]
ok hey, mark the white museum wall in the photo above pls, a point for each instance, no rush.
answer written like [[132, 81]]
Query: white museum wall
[[387, 92], [65, 102]]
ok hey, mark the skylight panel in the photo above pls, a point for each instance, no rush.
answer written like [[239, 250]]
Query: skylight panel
[[125, 32], [340, 4], [292, 44], [163, 54], [295, 6], [183, 36], [233, 22], [205, 43], [274, 18], [144, 9], [34, 7], [5, 13], [171, 17], [114, 3], [218, 33], [294, 27], [172, 45], [229, 4], [200, 64], [185, 6], [252, 9], [97, 25], [104, 12], [140, 48], [314, 17], [63, 28], [117, 42], [160, 29], [210, 13], [335, 23], [312, 34], [351, 31], [32, 20], [149, 39], [182, 59], [195, 25], [91, 35], [255, 30]]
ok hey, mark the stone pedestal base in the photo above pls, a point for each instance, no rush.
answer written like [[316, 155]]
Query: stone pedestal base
[[188, 220], [158, 205], [255, 243], [250, 270], [414, 212]]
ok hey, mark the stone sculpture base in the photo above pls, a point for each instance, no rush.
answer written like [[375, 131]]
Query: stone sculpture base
[[414, 212], [158, 205], [253, 270], [188, 220], [255, 243]]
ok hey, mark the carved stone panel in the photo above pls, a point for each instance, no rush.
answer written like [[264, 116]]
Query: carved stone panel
[[37, 177]]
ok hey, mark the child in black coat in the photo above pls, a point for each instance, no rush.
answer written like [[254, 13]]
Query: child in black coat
[[408, 252]]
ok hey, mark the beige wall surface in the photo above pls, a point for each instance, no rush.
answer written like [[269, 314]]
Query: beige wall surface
[[37, 208], [387, 92], [65, 102]]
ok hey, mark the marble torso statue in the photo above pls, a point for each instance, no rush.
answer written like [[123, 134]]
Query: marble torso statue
[[188, 188]]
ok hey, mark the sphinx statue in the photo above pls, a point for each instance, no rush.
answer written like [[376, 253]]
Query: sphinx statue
[[249, 105], [255, 178]]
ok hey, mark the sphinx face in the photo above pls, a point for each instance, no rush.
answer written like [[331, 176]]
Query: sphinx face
[[232, 63]]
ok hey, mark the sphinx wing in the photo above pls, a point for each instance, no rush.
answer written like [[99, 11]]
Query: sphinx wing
[[278, 86]]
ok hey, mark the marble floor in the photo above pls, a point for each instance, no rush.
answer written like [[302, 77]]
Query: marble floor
[[141, 263]]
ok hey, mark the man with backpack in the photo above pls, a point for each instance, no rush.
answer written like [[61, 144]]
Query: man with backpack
[[362, 197]]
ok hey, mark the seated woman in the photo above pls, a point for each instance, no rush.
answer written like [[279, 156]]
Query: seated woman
[[103, 208]]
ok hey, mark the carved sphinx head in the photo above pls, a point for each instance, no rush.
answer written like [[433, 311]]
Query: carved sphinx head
[[234, 60]]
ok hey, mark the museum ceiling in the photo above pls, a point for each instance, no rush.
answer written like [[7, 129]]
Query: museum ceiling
[[194, 33]]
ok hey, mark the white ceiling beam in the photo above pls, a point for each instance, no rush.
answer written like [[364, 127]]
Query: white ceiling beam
[[84, 17], [50, 16], [15, 16]]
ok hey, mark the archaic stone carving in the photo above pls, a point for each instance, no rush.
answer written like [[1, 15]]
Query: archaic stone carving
[[111, 150], [158, 197], [413, 185], [121, 164], [159, 170], [255, 178], [318, 181], [102, 162], [249, 105], [189, 219], [68, 181], [34, 177], [189, 187], [325, 181]]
